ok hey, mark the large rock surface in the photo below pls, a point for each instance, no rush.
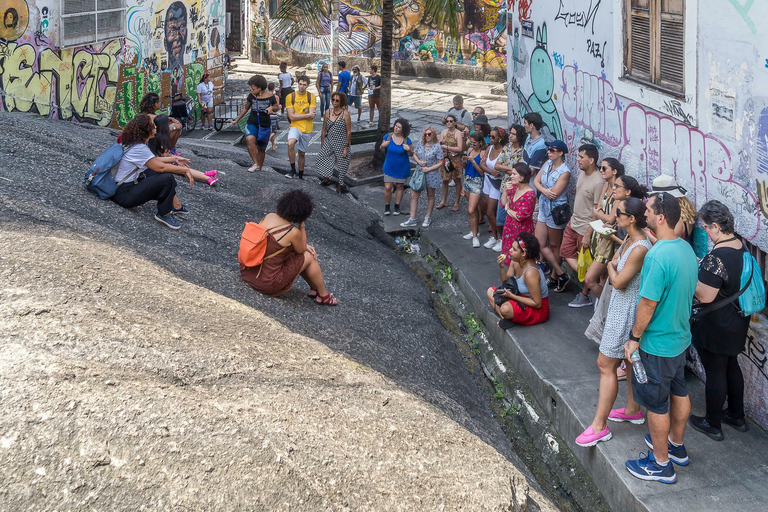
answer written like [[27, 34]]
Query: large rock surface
[[138, 372]]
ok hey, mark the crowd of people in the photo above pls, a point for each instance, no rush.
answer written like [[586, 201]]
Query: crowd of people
[[648, 263]]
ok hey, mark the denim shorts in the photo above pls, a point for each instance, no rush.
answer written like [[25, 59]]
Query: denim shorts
[[501, 215], [545, 216], [473, 184], [356, 101], [666, 376], [260, 133]]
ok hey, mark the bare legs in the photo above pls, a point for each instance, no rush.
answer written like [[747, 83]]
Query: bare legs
[[490, 211], [250, 143], [609, 389], [670, 425], [415, 202], [504, 311], [312, 274], [592, 279], [474, 213], [398, 194], [550, 252]]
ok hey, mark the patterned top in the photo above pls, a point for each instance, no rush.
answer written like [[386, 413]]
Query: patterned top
[[431, 155], [509, 157]]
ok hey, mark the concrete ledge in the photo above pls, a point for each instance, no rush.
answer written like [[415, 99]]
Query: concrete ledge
[[558, 363]]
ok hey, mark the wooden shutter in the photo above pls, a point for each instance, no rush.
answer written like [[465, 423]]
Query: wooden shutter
[[639, 54], [672, 45]]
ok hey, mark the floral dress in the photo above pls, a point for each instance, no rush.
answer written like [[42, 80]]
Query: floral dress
[[601, 246], [455, 158], [431, 155], [523, 207]]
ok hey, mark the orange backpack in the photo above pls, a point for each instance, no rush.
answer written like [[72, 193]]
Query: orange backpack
[[253, 245]]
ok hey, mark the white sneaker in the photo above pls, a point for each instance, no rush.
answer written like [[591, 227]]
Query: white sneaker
[[475, 242], [497, 247], [253, 168], [451, 183], [469, 236], [410, 223], [490, 243], [427, 222]]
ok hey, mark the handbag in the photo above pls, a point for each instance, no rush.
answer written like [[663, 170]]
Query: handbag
[[418, 182], [510, 285], [561, 213]]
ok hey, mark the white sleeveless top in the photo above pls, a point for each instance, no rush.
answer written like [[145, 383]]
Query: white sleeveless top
[[491, 164]]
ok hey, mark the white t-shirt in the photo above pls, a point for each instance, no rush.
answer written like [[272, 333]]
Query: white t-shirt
[[205, 90], [137, 155], [353, 86], [286, 80]]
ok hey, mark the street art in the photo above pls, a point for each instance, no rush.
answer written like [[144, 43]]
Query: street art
[[656, 144], [15, 19], [580, 13], [743, 10], [482, 43], [589, 100], [543, 84], [524, 8], [73, 83], [597, 50]]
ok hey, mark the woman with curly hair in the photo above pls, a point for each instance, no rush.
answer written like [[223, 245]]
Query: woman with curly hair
[[149, 105], [144, 177], [160, 145], [397, 163], [288, 255]]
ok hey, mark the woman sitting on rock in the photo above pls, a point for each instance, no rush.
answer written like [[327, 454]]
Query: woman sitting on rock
[[528, 302], [288, 255], [160, 145], [145, 177]]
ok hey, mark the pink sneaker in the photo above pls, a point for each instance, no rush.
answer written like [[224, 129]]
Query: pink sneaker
[[212, 181], [589, 438], [212, 173], [618, 416]]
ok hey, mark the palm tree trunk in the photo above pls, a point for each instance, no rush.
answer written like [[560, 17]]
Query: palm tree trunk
[[334, 35], [387, 25]]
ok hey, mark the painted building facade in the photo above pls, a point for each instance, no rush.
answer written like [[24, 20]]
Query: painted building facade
[[482, 40], [126, 49], [694, 106]]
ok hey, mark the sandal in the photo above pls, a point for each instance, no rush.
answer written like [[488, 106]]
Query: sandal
[[312, 293], [440, 206], [328, 300], [325, 182], [455, 208], [505, 324]]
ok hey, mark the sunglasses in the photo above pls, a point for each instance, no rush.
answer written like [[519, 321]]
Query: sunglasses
[[450, 121], [619, 212], [492, 136], [428, 134], [335, 100], [553, 150], [475, 114], [616, 185]]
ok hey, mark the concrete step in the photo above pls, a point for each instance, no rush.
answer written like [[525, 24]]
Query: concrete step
[[558, 363]]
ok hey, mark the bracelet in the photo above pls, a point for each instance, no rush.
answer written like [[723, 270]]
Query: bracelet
[[633, 337]]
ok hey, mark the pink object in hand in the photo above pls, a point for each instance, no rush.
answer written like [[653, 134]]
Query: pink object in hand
[[618, 415], [589, 438]]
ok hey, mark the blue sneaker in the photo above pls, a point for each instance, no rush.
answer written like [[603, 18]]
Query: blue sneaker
[[169, 220], [179, 211], [646, 468], [677, 454]]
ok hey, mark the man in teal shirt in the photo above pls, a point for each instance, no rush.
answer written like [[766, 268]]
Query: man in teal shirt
[[662, 334]]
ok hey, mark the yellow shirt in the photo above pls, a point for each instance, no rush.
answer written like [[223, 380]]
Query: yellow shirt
[[302, 106]]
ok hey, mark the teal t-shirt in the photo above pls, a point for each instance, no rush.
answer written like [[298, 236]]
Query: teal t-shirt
[[669, 277]]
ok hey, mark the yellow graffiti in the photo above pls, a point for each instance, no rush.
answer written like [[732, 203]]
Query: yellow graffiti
[[67, 83]]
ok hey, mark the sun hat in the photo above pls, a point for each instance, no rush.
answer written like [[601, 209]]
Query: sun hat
[[666, 183], [558, 144]]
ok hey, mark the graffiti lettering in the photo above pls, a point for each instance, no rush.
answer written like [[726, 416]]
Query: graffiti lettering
[[743, 11], [79, 83], [589, 100], [578, 12], [756, 353], [597, 51], [656, 144], [559, 60], [524, 10], [675, 109]]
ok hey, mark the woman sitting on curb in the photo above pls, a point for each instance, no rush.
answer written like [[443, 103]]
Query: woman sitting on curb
[[530, 305], [624, 271], [288, 255], [146, 177]]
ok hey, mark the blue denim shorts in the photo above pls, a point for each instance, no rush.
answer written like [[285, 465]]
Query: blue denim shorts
[[501, 215], [260, 133]]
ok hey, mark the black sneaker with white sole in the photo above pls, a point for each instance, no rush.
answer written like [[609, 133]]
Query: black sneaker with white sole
[[562, 282]]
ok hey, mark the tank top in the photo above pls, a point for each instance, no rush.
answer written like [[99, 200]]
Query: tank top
[[523, 288], [491, 164], [469, 169]]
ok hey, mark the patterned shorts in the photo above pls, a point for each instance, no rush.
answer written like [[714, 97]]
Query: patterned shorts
[[473, 184]]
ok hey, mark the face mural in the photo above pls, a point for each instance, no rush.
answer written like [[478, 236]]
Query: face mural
[[176, 34], [11, 18]]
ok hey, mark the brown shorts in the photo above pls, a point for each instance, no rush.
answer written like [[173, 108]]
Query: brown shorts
[[374, 102], [571, 243]]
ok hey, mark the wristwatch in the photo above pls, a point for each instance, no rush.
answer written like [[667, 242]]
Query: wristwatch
[[633, 337]]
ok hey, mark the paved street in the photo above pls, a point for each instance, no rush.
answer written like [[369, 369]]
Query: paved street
[[421, 101]]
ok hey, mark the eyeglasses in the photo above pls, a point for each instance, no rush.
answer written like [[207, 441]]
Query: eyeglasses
[[619, 212], [616, 185]]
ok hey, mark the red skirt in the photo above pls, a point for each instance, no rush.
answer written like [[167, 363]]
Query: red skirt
[[529, 315]]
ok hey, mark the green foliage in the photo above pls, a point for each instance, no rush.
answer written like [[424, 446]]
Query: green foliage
[[499, 390], [447, 274], [512, 409], [472, 324], [428, 258]]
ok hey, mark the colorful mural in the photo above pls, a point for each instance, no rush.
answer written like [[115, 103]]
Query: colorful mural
[[482, 41]]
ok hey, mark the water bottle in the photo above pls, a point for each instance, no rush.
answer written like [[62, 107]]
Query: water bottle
[[637, 368]]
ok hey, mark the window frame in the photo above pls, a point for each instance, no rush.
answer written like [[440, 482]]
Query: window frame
[[95, 13], [647, 93]]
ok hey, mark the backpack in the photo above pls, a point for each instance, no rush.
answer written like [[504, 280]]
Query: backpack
[[100, 177], [752, 298], [293, 101], [253, 245]]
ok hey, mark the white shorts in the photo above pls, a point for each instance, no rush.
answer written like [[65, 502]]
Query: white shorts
[[302, 139], [207, 104], [491, 191]]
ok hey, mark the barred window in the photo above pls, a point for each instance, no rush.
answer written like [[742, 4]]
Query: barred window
[[654, 49], [90, 21]]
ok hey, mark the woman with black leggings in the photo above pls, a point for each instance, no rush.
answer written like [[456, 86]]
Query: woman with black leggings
[[720, 335], [145, 177]]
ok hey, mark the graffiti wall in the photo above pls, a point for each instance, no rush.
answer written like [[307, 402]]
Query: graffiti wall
[[167, 48], [37, 76], [567, 64], [482, 40]]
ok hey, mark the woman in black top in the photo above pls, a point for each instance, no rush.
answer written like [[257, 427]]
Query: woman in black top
[[720, 335]]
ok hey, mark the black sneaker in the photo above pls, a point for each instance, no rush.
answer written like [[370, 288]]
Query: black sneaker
[[290, 175], [551, 282], [301, 175], [737, 424], [701, 424], [562, 282], [397, 210], [386, 210]]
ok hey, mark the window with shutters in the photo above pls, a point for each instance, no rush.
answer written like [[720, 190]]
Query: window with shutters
[[91, 21], [654, 49]]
